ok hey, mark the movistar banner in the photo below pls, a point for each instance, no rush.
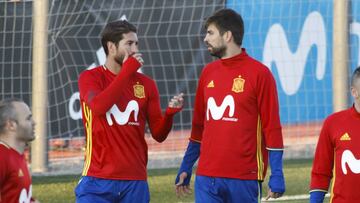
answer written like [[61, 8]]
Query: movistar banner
[[294, 39]]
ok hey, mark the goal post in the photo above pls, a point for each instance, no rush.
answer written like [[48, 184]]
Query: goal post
[[340, 52], [39, 156]]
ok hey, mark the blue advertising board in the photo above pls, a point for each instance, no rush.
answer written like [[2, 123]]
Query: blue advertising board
[[294, 39]]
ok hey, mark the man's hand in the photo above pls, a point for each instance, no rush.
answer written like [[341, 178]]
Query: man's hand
[[274, 195], [180, 188], [182, 181], [177, 101], [137, 56]]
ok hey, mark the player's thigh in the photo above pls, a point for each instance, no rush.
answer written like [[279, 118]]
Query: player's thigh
[[207, 190], [90, 189], [134, 191], [243, 190]]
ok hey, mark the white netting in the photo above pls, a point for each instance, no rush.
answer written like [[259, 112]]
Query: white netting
[[294, 38], [170, 39]]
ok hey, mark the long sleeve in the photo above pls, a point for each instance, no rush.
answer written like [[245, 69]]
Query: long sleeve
[[323, 161], [192, 154], [160, 126], [199, 113], [99, 99], [276, 182], [267, 100], [3, 171]]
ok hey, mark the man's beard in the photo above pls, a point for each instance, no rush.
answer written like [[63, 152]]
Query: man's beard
[[217, 51], [119, 59]]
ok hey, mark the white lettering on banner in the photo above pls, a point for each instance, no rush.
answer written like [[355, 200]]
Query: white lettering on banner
[[349, 159], [217, 112], [290, 65], [75, 115], [24, 196], [122, 118]]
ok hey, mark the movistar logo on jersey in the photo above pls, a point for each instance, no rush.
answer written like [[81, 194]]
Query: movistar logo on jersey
[[349, 159], [217, 112], [24, 196], [122, 118]]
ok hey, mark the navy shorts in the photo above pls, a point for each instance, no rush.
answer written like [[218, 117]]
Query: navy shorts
[[226, 190], [90, 189]]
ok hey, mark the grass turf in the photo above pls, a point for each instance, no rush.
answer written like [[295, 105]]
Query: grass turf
[[60, 189]]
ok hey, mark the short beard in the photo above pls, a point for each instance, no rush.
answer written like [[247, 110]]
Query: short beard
[[119, 60], [218, 52]]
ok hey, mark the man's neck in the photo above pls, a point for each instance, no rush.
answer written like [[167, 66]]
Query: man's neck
[[232, 51], [16, 145], [357, 107], [112, 66]]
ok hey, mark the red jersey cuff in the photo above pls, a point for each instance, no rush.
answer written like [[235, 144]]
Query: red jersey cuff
[[131, 65], [172, 111], [319, 181]]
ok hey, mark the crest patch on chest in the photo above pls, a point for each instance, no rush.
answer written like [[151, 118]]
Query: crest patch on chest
[[238, 84], [139, 91]]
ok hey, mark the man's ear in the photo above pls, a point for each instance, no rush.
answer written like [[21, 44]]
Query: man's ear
[[111, 47], [354, 93], [228, 36], [11, 125]]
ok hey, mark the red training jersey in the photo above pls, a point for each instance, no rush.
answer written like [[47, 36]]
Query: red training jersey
[[337, 157], [15, 179], [115, 109], [236, 117]]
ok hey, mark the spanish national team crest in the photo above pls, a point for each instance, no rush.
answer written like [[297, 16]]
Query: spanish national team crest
[[139, 91], [238, 84]]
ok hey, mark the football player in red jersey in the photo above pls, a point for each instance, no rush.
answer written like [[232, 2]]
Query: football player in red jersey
[[116, 102], [236, 122], [337, 155], [16, 131]]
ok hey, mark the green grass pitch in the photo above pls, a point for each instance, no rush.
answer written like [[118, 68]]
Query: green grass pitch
[[60, 189]]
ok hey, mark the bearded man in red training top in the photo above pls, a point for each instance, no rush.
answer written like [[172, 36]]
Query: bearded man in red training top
[[236, 122], [116, 103]]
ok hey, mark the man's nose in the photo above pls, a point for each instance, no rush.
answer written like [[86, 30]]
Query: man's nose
[[135, 49], [205, 38]]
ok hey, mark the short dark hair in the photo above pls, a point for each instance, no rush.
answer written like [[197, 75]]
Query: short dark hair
[[228, 20], [113, 32], [355, 75], [7, 111]]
